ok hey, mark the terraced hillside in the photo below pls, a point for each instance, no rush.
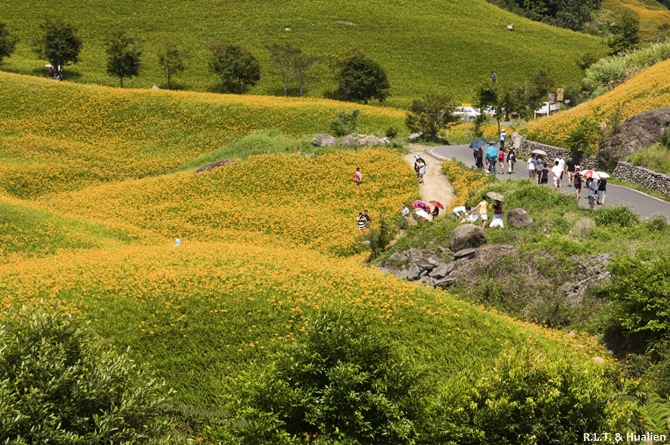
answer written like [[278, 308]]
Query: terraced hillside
[[445, 44], [647, 90]]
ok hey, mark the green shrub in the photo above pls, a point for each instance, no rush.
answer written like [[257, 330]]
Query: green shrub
[[341, 383], [621, 216], [392, 132], [642, 291], [531, 399], [344, 123], [379, 236], [585, 138], [665, 140], [656, 224], [61, 385]]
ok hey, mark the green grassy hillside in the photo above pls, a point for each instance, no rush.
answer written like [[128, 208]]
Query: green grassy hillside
[[449, 45], [61, 136]]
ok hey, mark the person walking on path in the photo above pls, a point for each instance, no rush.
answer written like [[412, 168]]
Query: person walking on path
[[503, 137], [483, 210], [561, 163], [497, 215], [530, 166], [539, 166], [511, 160], [358, 176], [557, 172], [418, 160], [570, 168], [543, 175], [501, 160], [577, 182], [479, 158], [602, 191], [422, 171], [591, 185]]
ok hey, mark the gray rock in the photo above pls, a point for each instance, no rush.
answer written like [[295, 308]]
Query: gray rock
[[465, 254], [324, 140], [519, 219], [414, 272], [398, 257], [370, 141], [402, 274], [637, 132], [415, 254], [415, 136], [445, 283], [433, 261], [466, 236], [426, 266], [347, 141], [442, 271], [427, 281], [442, 249]]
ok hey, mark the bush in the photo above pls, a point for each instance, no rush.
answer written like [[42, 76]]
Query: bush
[[665, 139], [344, 123], [621, 216], [656, 224], [391, 132], [585, 138], [379, 236], [531, 399], [59, 384], [341, 383], [361, 79], [430, 114]]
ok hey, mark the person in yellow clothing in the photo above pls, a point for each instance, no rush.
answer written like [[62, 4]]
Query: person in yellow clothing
[[483, 211]]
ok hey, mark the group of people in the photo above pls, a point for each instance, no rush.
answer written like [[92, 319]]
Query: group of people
[[419, 168], [364, 220], [490, 157], [470, 215]]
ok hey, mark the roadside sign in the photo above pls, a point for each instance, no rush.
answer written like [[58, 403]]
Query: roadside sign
[[559, 94]]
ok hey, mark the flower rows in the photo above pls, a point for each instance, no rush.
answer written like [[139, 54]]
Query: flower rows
[[648, 90], [466, 182]]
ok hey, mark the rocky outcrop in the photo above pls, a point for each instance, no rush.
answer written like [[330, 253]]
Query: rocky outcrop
[[414, 137], [212, 166], [466, 236], [370, 141], [648, 179], [519, 219], [590, 270], [348, 141], [638, 132], [324, 140]]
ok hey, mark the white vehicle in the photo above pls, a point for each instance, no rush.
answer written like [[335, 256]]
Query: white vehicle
[[546, 109], [467, 112]]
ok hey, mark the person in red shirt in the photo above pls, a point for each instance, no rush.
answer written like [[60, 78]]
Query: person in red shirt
[[358, 176]]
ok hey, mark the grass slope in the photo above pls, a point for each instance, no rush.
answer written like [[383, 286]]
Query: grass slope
[[654, 17], [647, 90], [56, 136], [450, 45]]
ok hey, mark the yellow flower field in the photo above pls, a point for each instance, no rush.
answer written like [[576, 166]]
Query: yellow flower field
[[302, 200], [648, 90], [56, 136]]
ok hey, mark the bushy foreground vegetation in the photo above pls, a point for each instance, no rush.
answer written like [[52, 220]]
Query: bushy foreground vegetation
[[387, 34], [61, 384], [647, 90]]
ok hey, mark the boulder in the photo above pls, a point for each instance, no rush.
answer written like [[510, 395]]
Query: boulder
[[414, 137], [519, 219], [465, 254], [466, 236], [445, 283], [324, 140], [415, 254], [414, 272], [348, 141], [370, 141], [441, 271], [637, 132], [398, 257], [426, 266], [402, 274]]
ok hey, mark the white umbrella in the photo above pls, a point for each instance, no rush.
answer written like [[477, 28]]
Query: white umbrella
[[590, 174], [537, 151], [422, 214], [48, 65], [603, 175]]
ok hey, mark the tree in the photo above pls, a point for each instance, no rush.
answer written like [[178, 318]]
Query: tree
[[58, 42], [123, 57], [284, 57], [304, 64], [430, 114], [171, 59], [60, 384], [236, 66], [625, 35], [361, 79], [342, 383], [7, 42]]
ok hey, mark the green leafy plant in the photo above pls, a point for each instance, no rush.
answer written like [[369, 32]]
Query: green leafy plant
[[123, 57], [619, 216], [235, 65], [379, 236], [361, 79], [58, 42], [341, 383], [585, 138], [344, 123], [60, 384], [7, 42], [430, 114]]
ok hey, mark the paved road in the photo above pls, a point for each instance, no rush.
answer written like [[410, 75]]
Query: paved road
[[639, 202]]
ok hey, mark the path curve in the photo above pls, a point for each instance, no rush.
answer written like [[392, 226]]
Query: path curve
[[639, 202], [435, 186]]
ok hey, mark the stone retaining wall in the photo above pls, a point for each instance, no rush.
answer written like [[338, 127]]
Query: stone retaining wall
[[524, 147], [643, 176]]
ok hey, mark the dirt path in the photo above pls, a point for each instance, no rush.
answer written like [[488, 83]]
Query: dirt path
[[435, 184]]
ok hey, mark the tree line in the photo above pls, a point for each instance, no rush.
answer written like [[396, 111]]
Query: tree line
[[358, 77]]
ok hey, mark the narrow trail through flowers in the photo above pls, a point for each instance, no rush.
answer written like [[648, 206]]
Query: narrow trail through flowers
[[436, 186]]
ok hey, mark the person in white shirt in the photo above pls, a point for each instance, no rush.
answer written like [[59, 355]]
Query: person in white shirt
[[556, 172], [405, 211], [460, 212], [530, 165], [561, 163]]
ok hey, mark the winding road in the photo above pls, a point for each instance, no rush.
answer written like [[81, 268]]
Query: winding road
[[639, 202]]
